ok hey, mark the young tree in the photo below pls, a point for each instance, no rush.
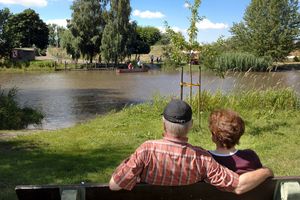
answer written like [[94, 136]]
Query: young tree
[[87, 24], [27, 29], [6, 44], [270, 28], [116, 31]]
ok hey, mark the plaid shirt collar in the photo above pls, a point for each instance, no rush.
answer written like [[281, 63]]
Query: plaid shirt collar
[[171, 138]]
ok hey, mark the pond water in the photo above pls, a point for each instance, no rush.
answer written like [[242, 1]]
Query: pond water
[[67, 98]]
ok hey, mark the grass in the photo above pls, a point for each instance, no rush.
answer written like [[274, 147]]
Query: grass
[[90, 152]]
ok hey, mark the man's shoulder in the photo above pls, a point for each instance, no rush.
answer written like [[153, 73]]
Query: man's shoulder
[[200, 150]]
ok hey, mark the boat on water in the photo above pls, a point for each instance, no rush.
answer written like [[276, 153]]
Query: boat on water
[[131, 70]]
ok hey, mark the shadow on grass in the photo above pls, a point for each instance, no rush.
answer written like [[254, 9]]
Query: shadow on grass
[[271, 127], [24, 163]]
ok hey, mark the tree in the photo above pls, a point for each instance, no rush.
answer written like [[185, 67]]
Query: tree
[[87, 25], [71, 44], [149, 34], [135, 44], [28, 29], [55, 34], [116, 32], [174, 52], [270, 28], [5, 38]]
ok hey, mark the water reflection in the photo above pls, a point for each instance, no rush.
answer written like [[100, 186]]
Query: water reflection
[[71, 97]]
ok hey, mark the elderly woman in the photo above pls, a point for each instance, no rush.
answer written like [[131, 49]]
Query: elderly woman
[[227, 127]]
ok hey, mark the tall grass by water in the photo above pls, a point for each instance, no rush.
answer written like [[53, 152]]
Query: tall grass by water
[[238, 61], [90, 151]]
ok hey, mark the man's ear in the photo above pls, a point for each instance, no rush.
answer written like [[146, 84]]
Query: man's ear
[[164, 126]]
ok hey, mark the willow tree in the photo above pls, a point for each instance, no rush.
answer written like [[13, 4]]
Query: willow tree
[[87, 25], [269, 28], [116, 32]]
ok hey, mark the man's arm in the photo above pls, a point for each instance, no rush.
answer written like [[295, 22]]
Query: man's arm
[[113, 185], [250, 180]]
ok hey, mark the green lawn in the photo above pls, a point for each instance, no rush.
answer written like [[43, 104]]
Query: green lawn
[[89, 152]]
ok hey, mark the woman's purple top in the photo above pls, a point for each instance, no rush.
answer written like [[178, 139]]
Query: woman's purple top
[[240, 161]]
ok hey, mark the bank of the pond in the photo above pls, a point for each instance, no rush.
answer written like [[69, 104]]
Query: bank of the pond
[[90, 152]]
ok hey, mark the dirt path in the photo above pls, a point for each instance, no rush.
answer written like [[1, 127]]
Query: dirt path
[[13, 134]]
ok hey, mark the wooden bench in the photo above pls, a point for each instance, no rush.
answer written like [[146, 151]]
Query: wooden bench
[[271, 189]]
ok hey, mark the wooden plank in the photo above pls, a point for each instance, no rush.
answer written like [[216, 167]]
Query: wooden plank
[[38, 193]]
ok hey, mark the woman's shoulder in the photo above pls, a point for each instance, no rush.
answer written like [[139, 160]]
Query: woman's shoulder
[[247, 152]]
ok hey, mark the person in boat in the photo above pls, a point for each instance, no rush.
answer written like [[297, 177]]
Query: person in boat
[[130, 66], [226, 128], [172, 161]]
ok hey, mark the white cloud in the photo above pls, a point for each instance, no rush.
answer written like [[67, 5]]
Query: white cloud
[[174, 28], [147, 14], [26, 3], [186, 5], [59, 22], [207, 24]]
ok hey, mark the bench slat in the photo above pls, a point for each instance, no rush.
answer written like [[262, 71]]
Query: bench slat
[[197, 191]]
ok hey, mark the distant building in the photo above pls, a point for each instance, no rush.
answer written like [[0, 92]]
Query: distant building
[[23, 54]]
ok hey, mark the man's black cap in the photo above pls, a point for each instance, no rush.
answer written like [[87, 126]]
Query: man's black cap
[[178, 111]]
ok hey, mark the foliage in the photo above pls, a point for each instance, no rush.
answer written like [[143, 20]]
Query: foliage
[[174, 52], [136, 45], [164, 40], [30, 66], [87, 25], [149, 34], [71, 44], [6, 44], [110, 43], [117, 30], [27, 30], [55, 34], [14, 117], [270, 28], [195, 18], [241, 62]]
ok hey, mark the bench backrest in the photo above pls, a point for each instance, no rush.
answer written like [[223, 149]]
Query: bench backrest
[[201, 190]]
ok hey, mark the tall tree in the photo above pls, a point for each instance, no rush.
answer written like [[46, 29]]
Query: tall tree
[[5, 39], [87, 24], [270, 28], [28, 29], [70, 43], [117, 31], [136, 45], [55, 34]]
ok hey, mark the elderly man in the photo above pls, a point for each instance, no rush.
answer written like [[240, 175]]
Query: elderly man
[[172, 161]]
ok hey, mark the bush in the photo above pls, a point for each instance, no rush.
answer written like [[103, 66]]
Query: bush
[[13, 117]]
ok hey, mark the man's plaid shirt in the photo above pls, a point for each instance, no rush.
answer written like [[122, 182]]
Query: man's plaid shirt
[[172, 162]]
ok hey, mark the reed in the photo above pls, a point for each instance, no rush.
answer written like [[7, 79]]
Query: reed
[[238, 61]]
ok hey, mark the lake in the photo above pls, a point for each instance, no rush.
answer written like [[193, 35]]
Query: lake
[[70, 97]]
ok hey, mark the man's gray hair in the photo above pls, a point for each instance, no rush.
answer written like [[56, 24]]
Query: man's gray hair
[[177, 129]]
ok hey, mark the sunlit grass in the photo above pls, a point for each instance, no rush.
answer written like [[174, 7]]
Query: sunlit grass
[[90, 152]]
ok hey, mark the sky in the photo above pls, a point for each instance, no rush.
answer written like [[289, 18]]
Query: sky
[[219, 15]]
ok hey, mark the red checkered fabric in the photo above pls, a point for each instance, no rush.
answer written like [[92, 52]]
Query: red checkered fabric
[[172, 162]]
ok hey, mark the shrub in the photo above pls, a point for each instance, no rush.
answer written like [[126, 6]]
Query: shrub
[[296, 59], [14, 117]]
